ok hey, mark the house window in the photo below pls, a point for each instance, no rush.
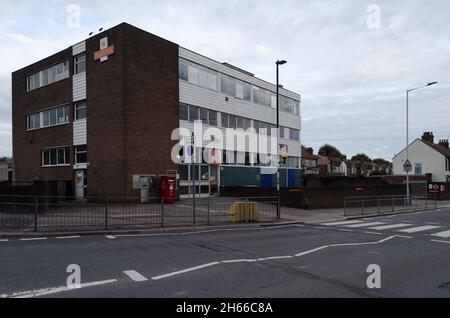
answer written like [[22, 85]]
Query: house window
[[448, 164], [81, 154], [55, 157], [47, 118], [184, 70], [282, 132], [184, 112], [418, 169], [294, 134], [48, 76], [212, 118], [80, 64], [80, 110], [193, 113]]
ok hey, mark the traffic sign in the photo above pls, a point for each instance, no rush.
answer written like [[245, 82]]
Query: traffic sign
[[407, 166]]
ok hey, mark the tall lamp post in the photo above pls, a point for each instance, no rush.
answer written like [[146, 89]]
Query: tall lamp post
[[407, 133], [278, 63]]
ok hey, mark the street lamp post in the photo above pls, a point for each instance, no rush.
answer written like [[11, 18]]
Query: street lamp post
[[407, 133], [278, 63]]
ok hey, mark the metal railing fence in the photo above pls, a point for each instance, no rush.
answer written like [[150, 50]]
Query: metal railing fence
[[379, 205], [28, 213]]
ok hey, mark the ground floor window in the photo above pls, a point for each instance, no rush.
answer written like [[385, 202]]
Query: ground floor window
[[55, 157]]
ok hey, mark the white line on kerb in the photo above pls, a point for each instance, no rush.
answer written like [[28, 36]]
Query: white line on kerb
[[55, 290], [135, 276], [34, 239]]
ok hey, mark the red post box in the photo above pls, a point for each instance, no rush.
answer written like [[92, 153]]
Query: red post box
[[169, 189]]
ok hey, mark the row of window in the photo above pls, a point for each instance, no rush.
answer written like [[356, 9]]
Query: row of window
[[209, 117], [48, 76], [61, 156], [55, 116], [207, 78], [244, 159], [55, 73], [50, 117]]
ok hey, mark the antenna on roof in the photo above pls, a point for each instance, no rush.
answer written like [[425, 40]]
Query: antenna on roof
[[100, 30], [90, 34]]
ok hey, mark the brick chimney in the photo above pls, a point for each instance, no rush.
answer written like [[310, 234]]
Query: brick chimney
[[310, 151], [428, 137], [444, 143]]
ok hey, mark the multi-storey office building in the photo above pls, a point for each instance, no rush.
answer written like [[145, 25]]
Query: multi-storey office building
[[99, 117]]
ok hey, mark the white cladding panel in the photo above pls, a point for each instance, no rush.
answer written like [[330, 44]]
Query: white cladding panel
[[432, 161], [207, 62], [79, 48], [79, 87], [79, 132]]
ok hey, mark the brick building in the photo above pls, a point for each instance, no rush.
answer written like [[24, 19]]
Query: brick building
[[99, 116]]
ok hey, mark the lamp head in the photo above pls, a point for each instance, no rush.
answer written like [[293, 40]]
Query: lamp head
[[282, 62]]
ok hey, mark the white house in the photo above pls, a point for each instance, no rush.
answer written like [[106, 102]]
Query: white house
[[426, 157]]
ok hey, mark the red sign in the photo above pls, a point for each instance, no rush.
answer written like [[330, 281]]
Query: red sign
[[103, 53]]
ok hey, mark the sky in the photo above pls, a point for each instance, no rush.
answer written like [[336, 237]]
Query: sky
[[351, 60]]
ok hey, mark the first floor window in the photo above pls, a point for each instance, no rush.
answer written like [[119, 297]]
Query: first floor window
[[81, 154], [80, 110], [56, 157], [80, 64], [418, 169]]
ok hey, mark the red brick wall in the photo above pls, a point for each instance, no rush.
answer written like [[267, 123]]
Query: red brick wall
[[27, 145]]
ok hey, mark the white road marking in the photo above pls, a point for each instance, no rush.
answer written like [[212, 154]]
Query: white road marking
[[419, 229], [4, 240], [388, 227], [354, 226], [185, 271], [311, 251], [67, 237], [137, 277], [274, 258], [344, 230], [438, 241], [445, 234], [34, 239], [239, 261], [341, 223], [373, 233], [55, 290], [111, 237]]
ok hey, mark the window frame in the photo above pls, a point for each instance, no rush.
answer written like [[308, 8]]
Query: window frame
[[77, 62], [45, 117], [77, 152], [48, 154], [36, 80], [76, 108]]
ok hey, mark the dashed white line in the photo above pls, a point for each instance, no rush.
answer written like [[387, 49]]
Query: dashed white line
[[185, 271], [373, 233], [4, 240], [135, 276], [34, 239], [55, 290], [67, 237], [111, 237]]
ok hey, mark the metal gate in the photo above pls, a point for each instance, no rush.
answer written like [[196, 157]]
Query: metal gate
[[418, 188]]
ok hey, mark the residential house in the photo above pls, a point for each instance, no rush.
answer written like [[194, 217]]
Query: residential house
[[426, 157], [309, 162]]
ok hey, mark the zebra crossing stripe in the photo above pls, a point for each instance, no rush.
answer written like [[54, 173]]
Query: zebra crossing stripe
[[445, 234], [389, 227], [341, 223], [354, 226], [420, 229]]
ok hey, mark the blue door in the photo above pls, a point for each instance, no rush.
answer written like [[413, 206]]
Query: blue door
[[291, 179]]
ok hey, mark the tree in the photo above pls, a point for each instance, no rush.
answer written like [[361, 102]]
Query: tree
[[362, 157], [329, 149], [381, 162]]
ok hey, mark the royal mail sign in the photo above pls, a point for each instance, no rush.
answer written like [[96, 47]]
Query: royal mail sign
[[105, 51]]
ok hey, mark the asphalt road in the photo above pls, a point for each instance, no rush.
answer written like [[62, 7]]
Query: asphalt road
[[326, 260]]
